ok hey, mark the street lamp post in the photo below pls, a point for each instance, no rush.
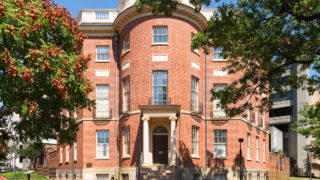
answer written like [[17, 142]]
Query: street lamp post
[[240, 141]]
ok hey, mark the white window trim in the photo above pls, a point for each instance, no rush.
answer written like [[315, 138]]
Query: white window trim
[[108, 150], [67, 154], [225, 144], [153, 35], [195, 106], [257, 148], [126, 95], [196, 130], [248, 146], [107, 99], [264, 151], [125, 44], [217, 60], [218, 112], [126, 142], [108, 17], [75, 151], [106, 60]]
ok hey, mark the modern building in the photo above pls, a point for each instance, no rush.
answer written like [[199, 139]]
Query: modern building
[[149, 120], [285, 112]]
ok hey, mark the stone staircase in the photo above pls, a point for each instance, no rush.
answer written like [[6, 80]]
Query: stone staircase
[[159, 172]]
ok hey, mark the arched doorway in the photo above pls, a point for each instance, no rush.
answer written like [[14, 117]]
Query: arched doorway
[[160, 145]]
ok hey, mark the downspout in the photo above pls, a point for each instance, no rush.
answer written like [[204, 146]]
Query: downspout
[[206, 122], [116, 94], [179, 119]]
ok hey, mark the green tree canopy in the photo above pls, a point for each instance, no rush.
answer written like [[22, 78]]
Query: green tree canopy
[[309, 126], [261, 39], [41, 71]]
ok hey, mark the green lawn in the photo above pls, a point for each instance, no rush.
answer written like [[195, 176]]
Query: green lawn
[[21, 176], [301, 178]]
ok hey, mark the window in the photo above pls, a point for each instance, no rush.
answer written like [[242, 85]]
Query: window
[[217, 54], [125, 176], [102, 100], [257, 149], [195, 50], [67, 153], [75, 151], [126, 141], [263, 119], [160, 35], [248, 147], [282, 97], [256, 110], [194, 94], [195, 140], [102, 15], [126, 95], [102, 148], [196, 176], [264, 151], [285, 111], [217, 110], [126, 44], [102, 177], [160, 87], [60, 154], [102, 53], [220, 143], [248, 110]]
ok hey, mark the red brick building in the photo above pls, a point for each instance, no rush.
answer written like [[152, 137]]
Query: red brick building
[[149, 121]]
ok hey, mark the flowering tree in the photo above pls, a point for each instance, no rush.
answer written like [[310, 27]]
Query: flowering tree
[[41, 71]]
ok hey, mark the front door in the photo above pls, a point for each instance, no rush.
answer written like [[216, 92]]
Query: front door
[[160, 149]]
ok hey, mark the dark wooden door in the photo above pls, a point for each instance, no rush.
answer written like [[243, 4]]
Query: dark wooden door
[[160, 149]]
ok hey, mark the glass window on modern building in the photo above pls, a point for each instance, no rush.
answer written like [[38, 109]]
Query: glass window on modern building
[[126, 141], [286, 96], [126, 95], [217, 110], [126, 44], [160, 87], [102, 53], [160, 34], [194, 94], [220, 143], [285, 111], [195, 141], [102, 100], [102, 146], [102, 15], [218, 54]]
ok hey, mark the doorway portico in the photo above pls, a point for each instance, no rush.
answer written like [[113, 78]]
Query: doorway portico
[[159, 134]]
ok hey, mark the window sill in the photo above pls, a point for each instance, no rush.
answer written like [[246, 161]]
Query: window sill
[[102, 61], [67, 162], [249, 160], [219, 60], [221, 158], [125, 52], [125, 157], [264, 161], [159, 44], [257, 161], [101, 158], [195, 157], [60, 162]]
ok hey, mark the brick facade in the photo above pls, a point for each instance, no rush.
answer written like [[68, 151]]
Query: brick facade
[[140, 72]]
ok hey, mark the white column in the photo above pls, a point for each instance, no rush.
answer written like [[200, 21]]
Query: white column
[[146, 154], [172, 153]]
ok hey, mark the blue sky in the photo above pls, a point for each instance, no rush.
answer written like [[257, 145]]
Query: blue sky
[[74, 6]]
